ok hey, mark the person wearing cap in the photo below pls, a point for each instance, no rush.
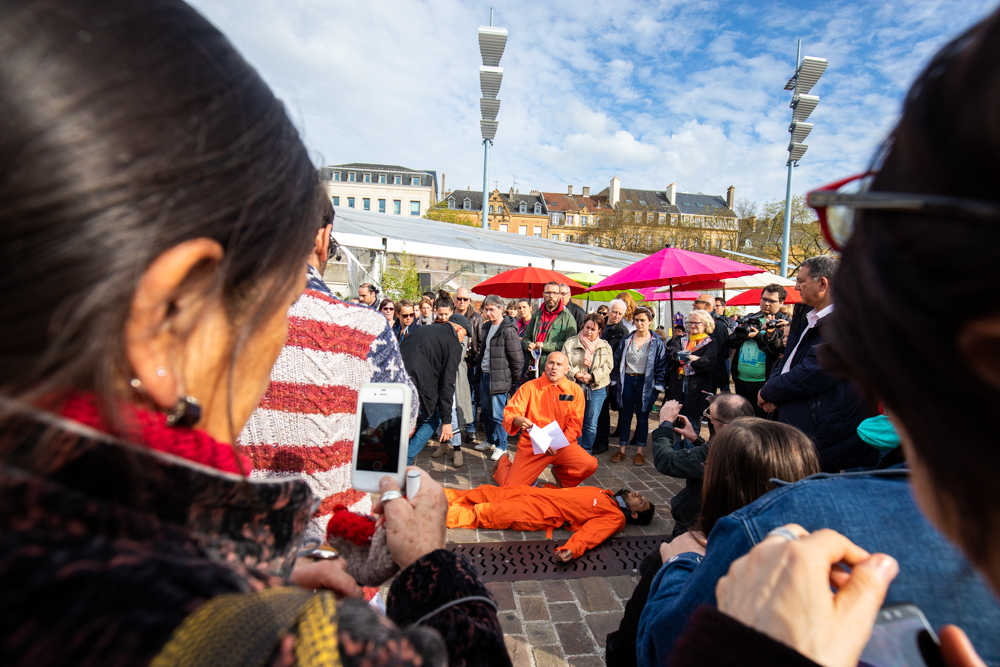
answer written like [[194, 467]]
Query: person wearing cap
[[431, 355]]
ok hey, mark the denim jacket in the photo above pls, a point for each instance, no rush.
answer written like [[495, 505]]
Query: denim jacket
[[875, 510]]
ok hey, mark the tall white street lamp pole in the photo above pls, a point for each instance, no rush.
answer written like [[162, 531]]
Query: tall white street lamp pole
[[491, 45], [808, 70]]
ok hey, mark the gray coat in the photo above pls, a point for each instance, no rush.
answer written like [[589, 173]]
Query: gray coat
[[463, 393]]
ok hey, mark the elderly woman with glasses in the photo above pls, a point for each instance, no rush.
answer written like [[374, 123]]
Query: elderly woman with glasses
[[692, 360]]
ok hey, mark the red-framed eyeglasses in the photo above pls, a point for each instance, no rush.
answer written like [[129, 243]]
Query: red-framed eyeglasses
[[836, 203]]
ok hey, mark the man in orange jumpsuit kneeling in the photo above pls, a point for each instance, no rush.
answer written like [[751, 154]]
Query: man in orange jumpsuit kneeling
[[593, 514], [552, 397]]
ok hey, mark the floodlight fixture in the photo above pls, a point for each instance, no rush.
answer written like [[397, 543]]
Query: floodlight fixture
[[492, 42], [808, 70]]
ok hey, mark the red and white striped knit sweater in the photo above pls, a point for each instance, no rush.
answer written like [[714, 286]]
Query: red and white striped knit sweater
[[305, 423]]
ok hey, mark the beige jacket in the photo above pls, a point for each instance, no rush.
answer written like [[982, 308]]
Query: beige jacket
[[603, 361]]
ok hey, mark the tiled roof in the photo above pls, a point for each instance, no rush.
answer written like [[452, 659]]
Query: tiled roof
[[699, 204], [564, 203], [686, 203], [511, 202], [427, 178]]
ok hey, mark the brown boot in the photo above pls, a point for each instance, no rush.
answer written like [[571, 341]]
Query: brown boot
[[458, 460]]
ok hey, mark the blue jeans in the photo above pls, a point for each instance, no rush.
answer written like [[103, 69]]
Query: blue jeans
[[426, 427], [492, 414], [595, 401], [876, 511], [632, 404]]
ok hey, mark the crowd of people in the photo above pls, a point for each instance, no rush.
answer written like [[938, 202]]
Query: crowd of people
[[176, 421]]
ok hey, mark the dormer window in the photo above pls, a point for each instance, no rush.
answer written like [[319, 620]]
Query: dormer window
[[467, 204], [415, 180], [336, 175], [397, 180], [628, 201], [381, 179], [523, 208], [642, 203], [350, 177], [368, 178], [538, 209], [451, 203]]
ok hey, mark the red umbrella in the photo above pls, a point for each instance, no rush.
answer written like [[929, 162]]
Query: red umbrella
[[752, 297], [526, 282], [673, 266]]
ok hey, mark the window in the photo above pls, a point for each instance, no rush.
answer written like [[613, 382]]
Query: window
[[523, 208], [451, 203], [491, 209], [368, 178], [747, 243], [522, 229], [336, 175], [569, 237], [503, 228], [414, 208], [467, 204], [584, 220], [415, 180], [538, 209], [396, 206], [381, 178], [381, 206], [350, 177], [628, 201], [555, 218], [718, 244], [553, 236], [642, 203], [397, 180], [336, 201], [537, 232], [659, 218], [366, 204], [350, 202]]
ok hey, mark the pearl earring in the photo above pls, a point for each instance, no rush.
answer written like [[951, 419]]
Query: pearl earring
[[161, 371]]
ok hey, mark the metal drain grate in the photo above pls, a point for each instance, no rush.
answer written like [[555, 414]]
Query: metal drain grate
[[520, 561]]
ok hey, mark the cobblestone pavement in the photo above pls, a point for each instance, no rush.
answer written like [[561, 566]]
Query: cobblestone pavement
[[554, 623]]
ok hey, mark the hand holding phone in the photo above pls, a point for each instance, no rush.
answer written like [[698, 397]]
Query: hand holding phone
[[381, 435], [902, 637]]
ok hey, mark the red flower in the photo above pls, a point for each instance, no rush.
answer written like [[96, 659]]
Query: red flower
[[355, 528]]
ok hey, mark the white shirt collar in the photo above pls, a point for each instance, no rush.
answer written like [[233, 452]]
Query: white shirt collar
[[814, 316]]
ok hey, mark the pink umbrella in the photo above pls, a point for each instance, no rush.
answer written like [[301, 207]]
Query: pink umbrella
[[673, 266]]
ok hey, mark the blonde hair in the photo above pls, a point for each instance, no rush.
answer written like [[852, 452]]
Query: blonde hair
[[704, 317]]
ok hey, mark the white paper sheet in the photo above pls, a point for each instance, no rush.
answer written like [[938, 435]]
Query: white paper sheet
[[549, 436]]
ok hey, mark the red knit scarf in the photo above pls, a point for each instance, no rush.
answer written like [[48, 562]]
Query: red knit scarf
[[149, 428], [545, 321]]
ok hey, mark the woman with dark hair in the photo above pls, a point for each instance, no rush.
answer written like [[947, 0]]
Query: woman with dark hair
[[929, 204], [388, 309], [639, 375], [743, 459], [591, 360], [129, 532], [406, 320]]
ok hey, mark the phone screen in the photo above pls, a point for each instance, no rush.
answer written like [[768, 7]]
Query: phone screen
[[895, 643], [378, 445]]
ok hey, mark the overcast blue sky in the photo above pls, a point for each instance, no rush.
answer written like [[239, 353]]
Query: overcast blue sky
[[651, 92]]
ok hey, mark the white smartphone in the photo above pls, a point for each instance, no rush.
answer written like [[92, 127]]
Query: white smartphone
[[381, 436]]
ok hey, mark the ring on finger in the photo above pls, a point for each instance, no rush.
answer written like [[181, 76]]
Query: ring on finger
[[781, 531], [389, 495]]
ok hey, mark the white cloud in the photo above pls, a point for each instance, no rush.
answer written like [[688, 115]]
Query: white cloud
[[653, 92]]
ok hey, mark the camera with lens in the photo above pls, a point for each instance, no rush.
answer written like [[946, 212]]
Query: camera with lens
[[747, 322]]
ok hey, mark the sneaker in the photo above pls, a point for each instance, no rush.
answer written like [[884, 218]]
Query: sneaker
[[442, 449], [458, 460], [497, 454], [483, 447]]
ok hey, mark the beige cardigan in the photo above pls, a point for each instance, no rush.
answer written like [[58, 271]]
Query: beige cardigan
[[603, 361]]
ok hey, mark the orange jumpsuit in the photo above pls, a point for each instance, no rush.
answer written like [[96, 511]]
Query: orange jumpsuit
[[543, 402], [593, 514]]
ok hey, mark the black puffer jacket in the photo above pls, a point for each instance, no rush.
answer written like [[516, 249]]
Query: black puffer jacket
[[506, 358]]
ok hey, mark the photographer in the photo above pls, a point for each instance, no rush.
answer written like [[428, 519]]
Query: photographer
[[758, 342]]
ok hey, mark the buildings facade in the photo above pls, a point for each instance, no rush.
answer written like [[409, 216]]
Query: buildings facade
[[380, 188], [572, 217], [510, 212]]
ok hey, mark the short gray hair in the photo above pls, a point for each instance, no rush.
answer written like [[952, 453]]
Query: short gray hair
[[620, 303], [561, 285], [494, 300], [821, 266]]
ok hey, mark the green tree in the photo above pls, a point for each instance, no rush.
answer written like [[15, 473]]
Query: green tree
[[762, 227], [442, 213], [400, 280]]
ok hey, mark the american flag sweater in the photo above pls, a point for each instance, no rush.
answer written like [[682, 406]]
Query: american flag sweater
[[305, 422]]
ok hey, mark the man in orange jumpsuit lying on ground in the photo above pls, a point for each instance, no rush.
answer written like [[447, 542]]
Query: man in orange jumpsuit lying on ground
[[593, 514], [551, 397]]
